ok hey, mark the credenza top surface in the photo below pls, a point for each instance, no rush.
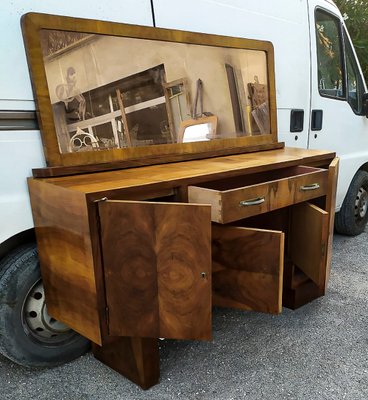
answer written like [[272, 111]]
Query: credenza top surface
[[189, 171]]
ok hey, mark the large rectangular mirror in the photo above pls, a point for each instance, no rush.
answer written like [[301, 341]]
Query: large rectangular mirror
[[110, 91]]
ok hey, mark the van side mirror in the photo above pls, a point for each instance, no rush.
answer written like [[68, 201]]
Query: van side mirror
[[365, 104]]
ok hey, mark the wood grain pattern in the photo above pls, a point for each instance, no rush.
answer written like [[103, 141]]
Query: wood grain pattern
[[135, 358], [65, 252], [278, 192], [191, 172], [154, 258], [247, 268], [61, 219], [308, 240], [153, 254]]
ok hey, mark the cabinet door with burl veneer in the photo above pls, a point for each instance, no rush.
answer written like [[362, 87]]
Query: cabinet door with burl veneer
[[157, 269]]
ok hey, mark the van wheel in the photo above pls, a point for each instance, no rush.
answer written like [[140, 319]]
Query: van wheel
[[28, 335], [353, 216]]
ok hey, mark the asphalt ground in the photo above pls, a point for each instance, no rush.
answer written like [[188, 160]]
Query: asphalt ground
[[318, 352]]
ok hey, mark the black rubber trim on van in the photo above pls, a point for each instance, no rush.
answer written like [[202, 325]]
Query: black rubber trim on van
[[18, 120]]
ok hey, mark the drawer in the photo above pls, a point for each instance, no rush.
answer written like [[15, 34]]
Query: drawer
[[244, 196]]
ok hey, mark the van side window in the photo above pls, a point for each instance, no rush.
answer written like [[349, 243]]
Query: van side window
[[329, 56], [355, 86]]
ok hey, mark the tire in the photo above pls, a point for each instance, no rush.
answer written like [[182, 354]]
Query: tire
[[353, 216], [28, 335]]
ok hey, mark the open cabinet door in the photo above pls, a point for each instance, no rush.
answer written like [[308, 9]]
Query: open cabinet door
[[248, 267], [308, 240], [157, 267]]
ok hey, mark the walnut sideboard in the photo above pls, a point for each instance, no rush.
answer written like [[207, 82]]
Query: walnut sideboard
[[132, 255], [166, 189]]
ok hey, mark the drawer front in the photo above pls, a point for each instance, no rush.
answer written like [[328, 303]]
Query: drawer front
[[232, 205], [311, 186]]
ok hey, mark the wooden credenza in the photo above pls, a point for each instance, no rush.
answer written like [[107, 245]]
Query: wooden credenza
[[129, 256]]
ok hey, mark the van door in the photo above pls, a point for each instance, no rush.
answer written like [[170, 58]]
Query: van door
[[337, 86]]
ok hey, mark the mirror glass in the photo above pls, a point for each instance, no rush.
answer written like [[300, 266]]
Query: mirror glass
[[118, 92]]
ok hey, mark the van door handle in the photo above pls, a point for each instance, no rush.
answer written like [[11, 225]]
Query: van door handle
[[296, 120], [317, 119]]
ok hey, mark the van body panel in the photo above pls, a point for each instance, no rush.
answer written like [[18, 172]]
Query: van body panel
[[342, 130], [16, 104], [283, 23], [20, 151]]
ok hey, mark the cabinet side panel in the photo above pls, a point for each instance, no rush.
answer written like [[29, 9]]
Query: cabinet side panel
[[65, 253]]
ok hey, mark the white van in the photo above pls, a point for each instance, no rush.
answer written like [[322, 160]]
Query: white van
[[320, 105]]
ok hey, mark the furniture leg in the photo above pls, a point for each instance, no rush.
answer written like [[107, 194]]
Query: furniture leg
[[135, 358]]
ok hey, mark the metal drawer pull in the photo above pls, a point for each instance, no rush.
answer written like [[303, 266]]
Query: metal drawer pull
[[252, 202], [312, 186]]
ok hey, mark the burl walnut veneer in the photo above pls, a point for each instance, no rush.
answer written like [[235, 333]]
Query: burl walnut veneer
[[128, 256]]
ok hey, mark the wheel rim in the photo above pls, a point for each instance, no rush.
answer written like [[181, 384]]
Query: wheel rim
[[38, 323], [361, 204]]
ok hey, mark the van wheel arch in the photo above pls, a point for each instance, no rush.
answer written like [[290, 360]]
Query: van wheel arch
[[28, 335], [364, 167], [21, 238], [352, 218]]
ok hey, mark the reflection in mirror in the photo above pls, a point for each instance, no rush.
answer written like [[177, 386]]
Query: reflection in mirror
[[118, 92], [197, 130], [196, 133], [178, 102]]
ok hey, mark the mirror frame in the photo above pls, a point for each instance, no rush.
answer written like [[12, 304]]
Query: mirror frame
[[32, 23]]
